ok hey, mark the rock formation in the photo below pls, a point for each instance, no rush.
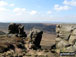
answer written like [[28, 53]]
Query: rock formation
[[66, 38], [13, 45], [36, 36], [17, 29]]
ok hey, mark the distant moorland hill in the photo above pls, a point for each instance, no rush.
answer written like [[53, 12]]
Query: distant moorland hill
[[50, 28]]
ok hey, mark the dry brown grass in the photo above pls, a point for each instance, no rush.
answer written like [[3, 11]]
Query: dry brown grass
[[48, 40]]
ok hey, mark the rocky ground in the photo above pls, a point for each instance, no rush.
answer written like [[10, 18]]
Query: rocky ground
[[9, 47], [12, 46]]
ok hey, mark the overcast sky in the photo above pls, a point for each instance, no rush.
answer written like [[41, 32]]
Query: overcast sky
[[38, 11]]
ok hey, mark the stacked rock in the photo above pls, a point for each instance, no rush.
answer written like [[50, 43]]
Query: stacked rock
[[66, 37], [17, 29], [36, 36]]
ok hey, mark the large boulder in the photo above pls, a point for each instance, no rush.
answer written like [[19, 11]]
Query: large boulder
[[17, 29], [36, 36], [66, 37]]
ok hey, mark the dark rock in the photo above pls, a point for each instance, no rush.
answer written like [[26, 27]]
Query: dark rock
[[17, 29], [36, 36]]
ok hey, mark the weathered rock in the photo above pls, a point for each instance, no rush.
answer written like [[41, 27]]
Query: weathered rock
[[4, 47], [36, 36], [62, 44], [17, 29], [64, 36], [66, 28], [58, 26], [28, 45], [74, 46], [64, 31], [74, 32], [72, 40], [11, 35], [21, 31], [7, 43], [70, 49], [58, 51], [57, 30], [13, 28], [58, 39]]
